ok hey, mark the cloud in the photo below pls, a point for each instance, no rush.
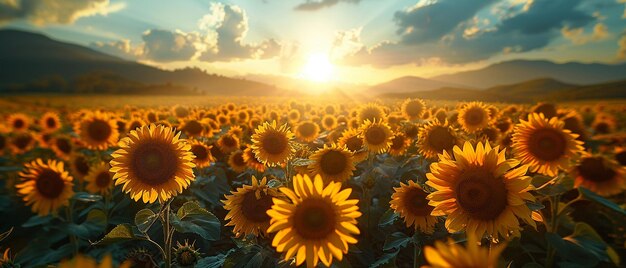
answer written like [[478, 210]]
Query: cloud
[[228, 26], [433, 34], [42, 12], [167, 46], [346, 43], [578, 36], [430, 20], [121, 48], [313, 5]]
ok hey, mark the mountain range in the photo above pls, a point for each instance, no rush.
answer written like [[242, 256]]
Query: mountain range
[[32, 62]]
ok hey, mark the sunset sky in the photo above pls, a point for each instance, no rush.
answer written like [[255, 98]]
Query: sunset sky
[[357, 41]]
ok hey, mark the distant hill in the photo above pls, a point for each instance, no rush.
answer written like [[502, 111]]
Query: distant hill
[[27, 57], [531, 89], [411, 84], [528, 91], [517, 71]]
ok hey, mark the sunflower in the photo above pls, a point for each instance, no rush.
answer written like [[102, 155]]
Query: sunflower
[[82, 261], [371, 112], [413, 109], [547, 109], [228, 143], [237, 131], [329, 122], [153, 163], [99, 179], [22, 142], [237, 162], [399, 144], [45, 186], [97, 130], [193, 128], [152, 116], [480, 191], [376, 136], [409, 201], [79, 166], [307, 131], [19, 122], [544, 144], [50, 122], [247, 208], [599, 174], [202, 152], [451, 255], [251, 161], [350, 138], [134, 123], [272, 144], [436, 137], [333, 163], [62, 146], [473, 116], [318, 223], [293, 116]]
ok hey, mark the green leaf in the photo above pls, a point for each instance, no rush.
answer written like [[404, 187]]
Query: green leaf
[[86, 197], [191, 218], [6, 234], [385, 259], [121, 232], [396, 240], [274, 183], [586, 237], [144, 218], [37, 220], [571, 252], [301, 162], [387, 218], [588, 194]]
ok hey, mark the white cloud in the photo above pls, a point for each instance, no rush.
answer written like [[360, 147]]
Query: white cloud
[[42, 12], [579, 37]]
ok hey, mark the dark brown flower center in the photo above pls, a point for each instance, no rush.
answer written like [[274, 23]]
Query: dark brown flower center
[[256, 209], [154, 162], [595, 169], [51, 122], [135, 125], [200, 152], [314, 218], [602, 128], [64, 145], [397, 143], [18, 123], [411, 131], [99, 130], [238, 159], [81, 165], [547, 144], [22, 141], [333, 162], [229, 141], [307, 129], [103, 179], [152, 117], [193, 128], [441, 139], [481, 194], [416, 203], [547, 109], [620, 157], [375, 135], [181, 112], [49, 183], [275, 142], [474, 116], [354, 143], [414, 108]]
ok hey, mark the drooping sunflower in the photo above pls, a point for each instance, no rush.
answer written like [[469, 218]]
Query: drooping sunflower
[[62, 146], [45, 186], [473, 117], [50, 122], [376, 136], [544, 144], [272, 144], [333, 163], [307, 131], [451, 255], [251, 161], [480, 191], [99, 179], [399, 144], [371, 112], [97, 130], [413, 109], [79, 166], [409, 201], [247, 208], [202, 152], [350, 138], [318, 223], [19, 121], [436, 137], [237, 162], [153, 163], [599, 174]]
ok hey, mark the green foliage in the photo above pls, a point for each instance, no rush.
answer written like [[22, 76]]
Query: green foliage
[[191, 218]]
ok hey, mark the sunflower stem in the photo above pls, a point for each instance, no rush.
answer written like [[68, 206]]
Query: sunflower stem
[[70, 220], [554, 206], [167, 235], [417, 251]]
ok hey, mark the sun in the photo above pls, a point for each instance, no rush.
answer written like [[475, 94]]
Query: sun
[[318, 68]]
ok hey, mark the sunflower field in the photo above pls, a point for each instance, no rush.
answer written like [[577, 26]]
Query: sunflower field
[[286, 183]]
